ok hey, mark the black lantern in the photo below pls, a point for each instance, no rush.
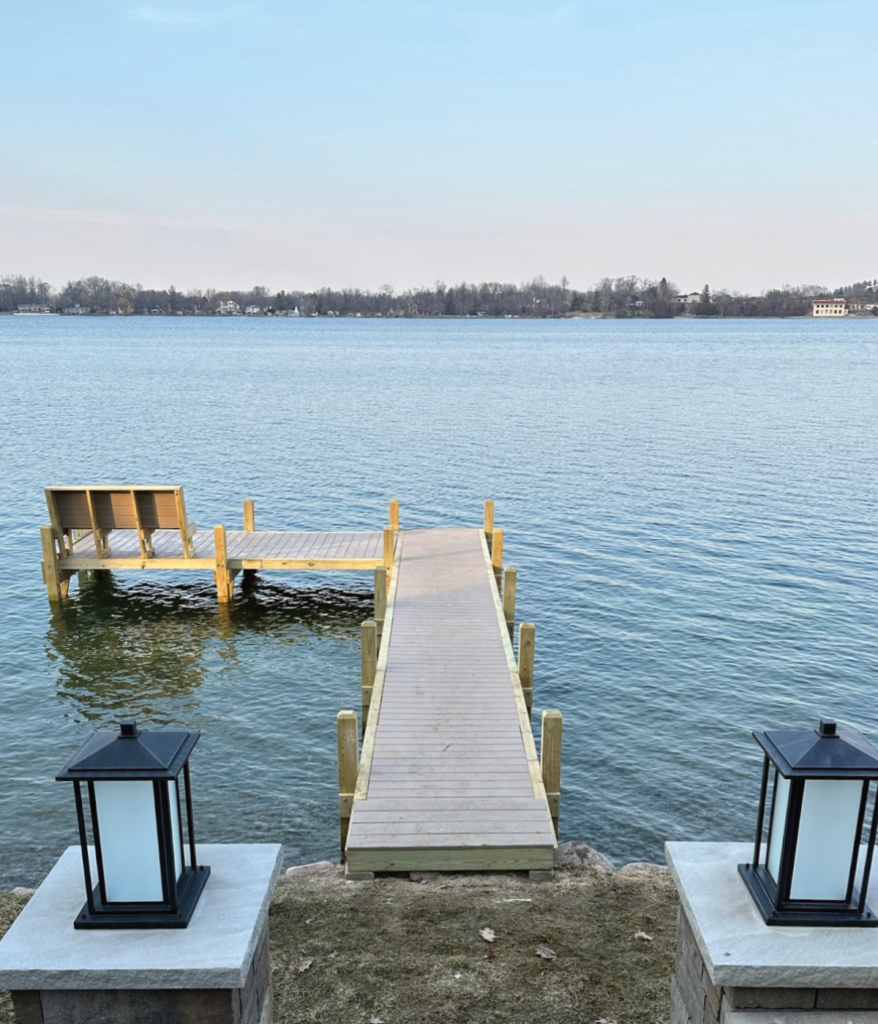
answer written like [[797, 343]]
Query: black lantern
[[815, 790], [145, 879]]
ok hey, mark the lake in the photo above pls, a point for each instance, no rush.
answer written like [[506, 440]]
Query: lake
[[691, 506]]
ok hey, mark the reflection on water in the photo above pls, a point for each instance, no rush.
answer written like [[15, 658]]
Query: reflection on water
[[144, 648]]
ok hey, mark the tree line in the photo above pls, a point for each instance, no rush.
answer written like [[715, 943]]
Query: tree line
[[620, 297]]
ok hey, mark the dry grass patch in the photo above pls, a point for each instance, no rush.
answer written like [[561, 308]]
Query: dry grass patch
[[404, 952]]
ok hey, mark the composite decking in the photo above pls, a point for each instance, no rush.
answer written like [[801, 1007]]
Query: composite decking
[[265, 549], [449, 777]]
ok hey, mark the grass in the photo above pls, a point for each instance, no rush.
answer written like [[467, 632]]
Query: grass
[[410, 953], [406, 952]]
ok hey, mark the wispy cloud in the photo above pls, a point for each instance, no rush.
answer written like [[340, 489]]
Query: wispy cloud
[[175, 16]]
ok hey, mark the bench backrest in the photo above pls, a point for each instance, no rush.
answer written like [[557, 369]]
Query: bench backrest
[[101, 509]]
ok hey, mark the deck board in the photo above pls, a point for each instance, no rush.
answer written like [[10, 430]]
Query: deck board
[[271, 549], [447, 782]]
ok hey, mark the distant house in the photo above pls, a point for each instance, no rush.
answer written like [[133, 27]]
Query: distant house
[[229, 307], [829, 307], [32, 308], [253, 310], [75, 310], [861, 305]]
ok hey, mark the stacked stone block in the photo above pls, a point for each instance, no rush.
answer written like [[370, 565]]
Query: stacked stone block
[[696, 1000]]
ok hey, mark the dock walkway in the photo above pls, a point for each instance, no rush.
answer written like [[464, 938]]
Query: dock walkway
[[449, 777]]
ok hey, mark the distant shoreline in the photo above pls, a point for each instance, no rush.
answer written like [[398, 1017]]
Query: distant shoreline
[[450, 316]]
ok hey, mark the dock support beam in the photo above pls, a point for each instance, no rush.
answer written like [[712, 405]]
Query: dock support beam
[[225, 579], [550, 761], [57, 580], [497, 556], [489, 523], [348, 754], [394, 514], [510, 580], [380, 599], [368, 663], [527, 636]]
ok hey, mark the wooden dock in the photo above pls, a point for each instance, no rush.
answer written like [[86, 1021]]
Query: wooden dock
[[449, 777], [127, 528]]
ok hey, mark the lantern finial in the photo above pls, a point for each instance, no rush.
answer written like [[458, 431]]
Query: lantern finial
[[827, 727]]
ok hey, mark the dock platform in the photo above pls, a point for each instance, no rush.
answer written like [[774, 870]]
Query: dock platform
[[95, 528], [449, 777]]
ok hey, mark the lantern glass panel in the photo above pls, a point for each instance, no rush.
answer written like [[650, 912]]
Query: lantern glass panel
[[778, 824], [174, 800], [828, 833], [129, 841]]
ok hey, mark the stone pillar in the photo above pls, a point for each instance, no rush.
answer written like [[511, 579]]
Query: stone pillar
[[732, 968], [216, 971]]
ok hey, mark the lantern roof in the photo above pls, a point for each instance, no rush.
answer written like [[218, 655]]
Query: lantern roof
[[826, 752], [131, 753]]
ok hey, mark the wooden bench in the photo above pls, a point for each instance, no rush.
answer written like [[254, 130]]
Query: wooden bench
[[74, 511]]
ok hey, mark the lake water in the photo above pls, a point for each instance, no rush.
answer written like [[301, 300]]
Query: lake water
[[691, 506]]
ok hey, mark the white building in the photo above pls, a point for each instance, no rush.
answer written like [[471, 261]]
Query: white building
[[229, 307], [829, 307], [253, 310]]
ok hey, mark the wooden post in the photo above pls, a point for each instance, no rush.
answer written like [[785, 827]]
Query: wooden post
[[57, 581], [489, 523], [380, 599], [394, 514], [249, 527], [348, 755], [526, 645], [550, 761], [389, 538], [510, 579], [368, 662], [497, 556], [225, 581]]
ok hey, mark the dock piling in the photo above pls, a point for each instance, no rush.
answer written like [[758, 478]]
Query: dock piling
[[394, 514], [57, 580], [368, 662], [225, 579], [526, 644], [389, 544], [550, 761], [497, 556], [510, 580], [380, 599], [249, 516], [348, 755], [489, 523]]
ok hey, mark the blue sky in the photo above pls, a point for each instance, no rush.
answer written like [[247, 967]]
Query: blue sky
[[367, 143]]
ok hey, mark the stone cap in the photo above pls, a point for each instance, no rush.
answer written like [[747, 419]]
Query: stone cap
[[42, 950], [741, 950]]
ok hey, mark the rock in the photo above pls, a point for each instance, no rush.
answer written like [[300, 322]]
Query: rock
[[20, 890], [574, 855], [311, 869], [644, 867]]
